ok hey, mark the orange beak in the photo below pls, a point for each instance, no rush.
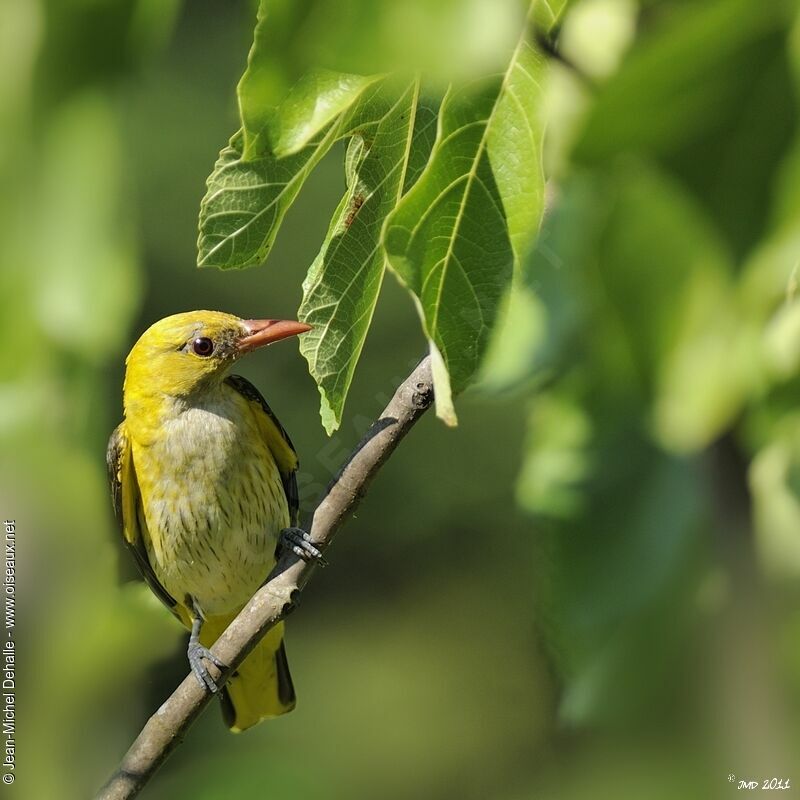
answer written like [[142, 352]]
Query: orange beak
[[261, 332]]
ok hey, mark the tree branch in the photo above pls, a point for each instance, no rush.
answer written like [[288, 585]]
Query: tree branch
[[165, 730]]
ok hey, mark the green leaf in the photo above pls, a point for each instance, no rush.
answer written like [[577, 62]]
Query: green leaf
[[704, 90], [270, 72], [475, 209], [444, 40], [676, 84], [248, 197], [556, 460], [341, 289], [317, 99], [276, 118], [449, 244], [514, 137], [247, 200], [516, 342], [423, 140], [646, 509]]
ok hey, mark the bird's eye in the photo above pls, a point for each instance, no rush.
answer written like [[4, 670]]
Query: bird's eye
[[203, 346]]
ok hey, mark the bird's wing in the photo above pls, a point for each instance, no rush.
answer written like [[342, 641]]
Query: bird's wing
[[125, 497], [277, 440]]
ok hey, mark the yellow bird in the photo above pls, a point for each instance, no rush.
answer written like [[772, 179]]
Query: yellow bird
[[203, 485]]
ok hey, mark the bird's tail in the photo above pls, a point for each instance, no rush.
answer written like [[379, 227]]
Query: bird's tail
[[261, 687]]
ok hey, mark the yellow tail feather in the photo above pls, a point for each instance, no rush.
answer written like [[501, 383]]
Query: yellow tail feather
[[262, 686]]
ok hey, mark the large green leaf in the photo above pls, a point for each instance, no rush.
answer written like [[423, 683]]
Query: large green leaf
[[423, 139], [275, 117], [318, 98], [444, 40], [675, 85], [514, 137], [341, 289], [265, 81], [475, 209], [637, 527], [248, 197], [704, 89]]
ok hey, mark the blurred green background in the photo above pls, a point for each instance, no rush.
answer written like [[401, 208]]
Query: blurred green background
[[590, 587]]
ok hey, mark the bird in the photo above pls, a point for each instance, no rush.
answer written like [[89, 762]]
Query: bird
[[204, 487]]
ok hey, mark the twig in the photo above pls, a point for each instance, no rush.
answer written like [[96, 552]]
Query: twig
[[165, 730]]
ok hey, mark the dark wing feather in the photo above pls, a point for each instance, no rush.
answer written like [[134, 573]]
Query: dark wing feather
[[125, 498], [278, 441]]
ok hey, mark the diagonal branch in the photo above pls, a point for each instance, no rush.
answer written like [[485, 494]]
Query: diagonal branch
[[165, 730]]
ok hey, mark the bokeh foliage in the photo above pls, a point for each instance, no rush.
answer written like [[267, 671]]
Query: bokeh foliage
[[590, 587]]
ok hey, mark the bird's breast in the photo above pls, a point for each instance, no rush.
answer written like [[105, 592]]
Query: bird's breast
[[213, 504]]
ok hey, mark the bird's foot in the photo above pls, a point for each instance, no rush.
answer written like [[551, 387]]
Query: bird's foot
[[197, 653], [299, 542]]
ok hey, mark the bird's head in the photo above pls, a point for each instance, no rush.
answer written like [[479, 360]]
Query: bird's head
[[181, 355]]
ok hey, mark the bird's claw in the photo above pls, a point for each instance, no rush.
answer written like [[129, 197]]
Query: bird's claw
[[299, 542], [196, 655]]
